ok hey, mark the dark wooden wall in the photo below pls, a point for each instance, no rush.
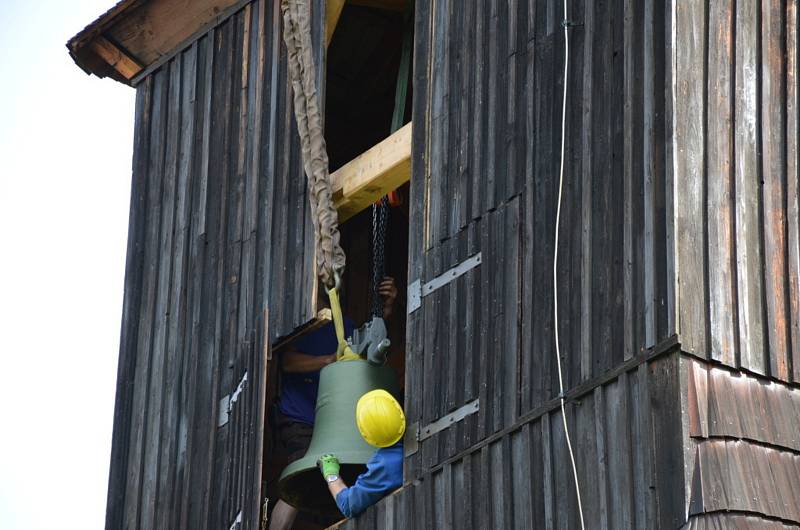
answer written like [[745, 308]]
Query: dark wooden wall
[[679, 231], [520, 477], [736, 170], [488, 87], [219, 264]]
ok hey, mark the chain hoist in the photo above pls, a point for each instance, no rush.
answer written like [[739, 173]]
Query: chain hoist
[[380, 225]]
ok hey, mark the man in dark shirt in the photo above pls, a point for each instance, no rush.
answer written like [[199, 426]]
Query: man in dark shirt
[[300, 382]]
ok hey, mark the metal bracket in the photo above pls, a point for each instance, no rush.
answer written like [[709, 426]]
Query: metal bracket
[[410, 442], [416, 291], [446, 421], [371, 341], [237, 523], [226, 403]]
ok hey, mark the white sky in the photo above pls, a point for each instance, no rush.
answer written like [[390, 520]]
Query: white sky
[[65, 158]]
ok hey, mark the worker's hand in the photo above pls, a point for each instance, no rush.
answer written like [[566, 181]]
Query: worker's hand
[[328, 465], [388, 291]]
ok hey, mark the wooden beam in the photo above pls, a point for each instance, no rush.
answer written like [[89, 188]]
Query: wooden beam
[[324, 316], [122, 63], [333, 9], [372, 174]]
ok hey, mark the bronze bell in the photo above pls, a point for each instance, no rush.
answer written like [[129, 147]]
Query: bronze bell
[[341, 384]]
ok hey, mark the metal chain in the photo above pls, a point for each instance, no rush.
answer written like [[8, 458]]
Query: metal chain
[[380, 224]]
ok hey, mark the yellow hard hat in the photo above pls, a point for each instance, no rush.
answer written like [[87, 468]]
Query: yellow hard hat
[[380, 418]]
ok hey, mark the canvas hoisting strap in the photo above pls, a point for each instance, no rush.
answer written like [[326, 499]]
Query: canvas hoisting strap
[[297, 35], [330, 256]]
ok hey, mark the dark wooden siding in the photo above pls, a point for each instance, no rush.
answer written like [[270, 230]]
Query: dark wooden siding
[[488, 86], [521, 477], [219, 239], [736, 171]]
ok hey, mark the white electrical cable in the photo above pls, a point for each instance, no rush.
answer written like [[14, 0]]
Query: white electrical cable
[[555, 267]]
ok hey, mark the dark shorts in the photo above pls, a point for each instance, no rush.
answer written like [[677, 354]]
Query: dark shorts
[[295, 437]]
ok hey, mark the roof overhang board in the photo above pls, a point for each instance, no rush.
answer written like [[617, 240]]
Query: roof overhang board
[[372, 174], [135, 35]]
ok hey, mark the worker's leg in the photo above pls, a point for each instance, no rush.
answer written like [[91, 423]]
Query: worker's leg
[[295, 438], [283, 515]]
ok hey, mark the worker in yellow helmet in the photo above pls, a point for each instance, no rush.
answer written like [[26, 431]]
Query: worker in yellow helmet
[[381, 422]]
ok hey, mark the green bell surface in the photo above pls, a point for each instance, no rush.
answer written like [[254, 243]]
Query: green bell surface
[[341, 384]]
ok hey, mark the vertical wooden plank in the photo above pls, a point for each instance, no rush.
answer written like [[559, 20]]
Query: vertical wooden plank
[[229, 229], [173, 438], [157, 368], [565, 503], [587, 160], [666, 440], [497, 339], [536, 475], [511, 310], [527, 376], [574, 215], [548, 481], [210, 480], [638, 411], [750, 309], [543, 207], [628, 110], [479, 164], [134, 266], [690, 135], [136, 449], [493, 106], [773, 154], [603, 515], [718, 168], [649, 153], [486, 360], [464, 494], [620, 473], [467, 54], [792, 183], [197, 374], [667, 44], [417, 219]]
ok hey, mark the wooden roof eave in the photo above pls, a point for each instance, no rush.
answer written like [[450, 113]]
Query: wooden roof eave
[[136, 36], [91, 50]]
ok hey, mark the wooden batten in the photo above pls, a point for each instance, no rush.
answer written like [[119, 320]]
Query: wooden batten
[[125, 65], [373, 174]]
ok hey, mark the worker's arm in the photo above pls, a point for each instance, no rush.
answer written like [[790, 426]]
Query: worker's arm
[[388, 291], [384, 474], [296, 362], [336, 486]]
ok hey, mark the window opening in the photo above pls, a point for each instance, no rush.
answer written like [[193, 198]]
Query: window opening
[[368, 93]]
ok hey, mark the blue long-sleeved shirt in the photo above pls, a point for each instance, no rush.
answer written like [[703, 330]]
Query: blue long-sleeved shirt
[[384, 473]]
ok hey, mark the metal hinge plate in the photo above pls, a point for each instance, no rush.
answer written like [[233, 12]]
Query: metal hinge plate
[[415, 435], [226, 404], [237, 523], [417, 291], [446, 421]]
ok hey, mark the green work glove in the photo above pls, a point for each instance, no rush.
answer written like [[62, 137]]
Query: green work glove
[[329, 465]]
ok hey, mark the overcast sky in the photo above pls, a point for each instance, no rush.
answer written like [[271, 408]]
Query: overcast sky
[[65, 159]]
